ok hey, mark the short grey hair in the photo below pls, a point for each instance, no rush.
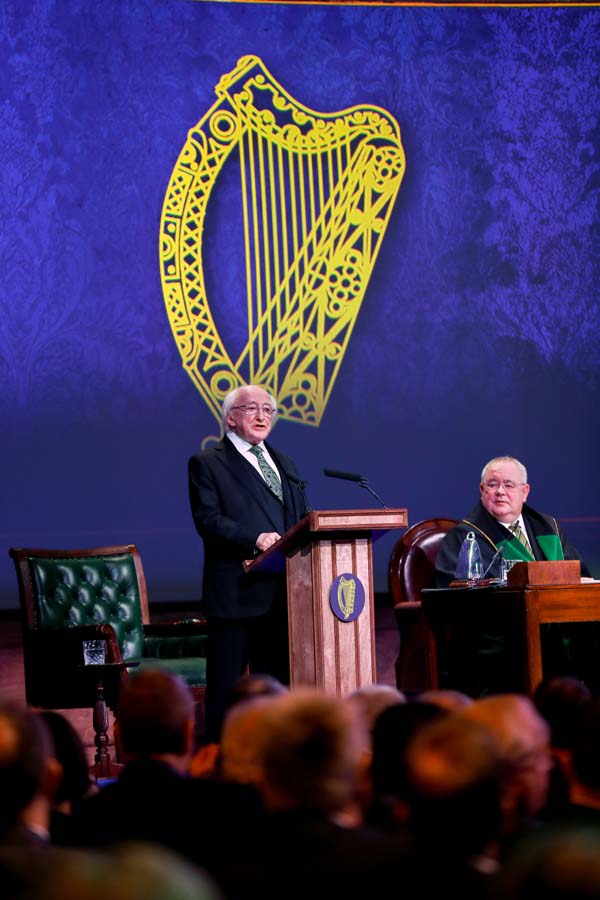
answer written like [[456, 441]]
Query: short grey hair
[[505, 459], [231, 398]]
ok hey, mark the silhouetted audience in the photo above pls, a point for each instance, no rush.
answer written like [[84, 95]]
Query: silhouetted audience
[[456, 785], [372, 699], [446, 698], [76, 783], [524, 739], [393, 730], [584, 769], [310, 753], [206, 761], [29, 776], [554, 864], [133, 871], [240, 741], [155, 799], [561, 700]]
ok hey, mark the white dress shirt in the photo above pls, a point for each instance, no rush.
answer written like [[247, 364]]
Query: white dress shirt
[[244, 448]]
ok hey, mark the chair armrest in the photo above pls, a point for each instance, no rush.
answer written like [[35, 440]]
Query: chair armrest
[[407, 608], [177, 626], [62, 646], [175, 640]]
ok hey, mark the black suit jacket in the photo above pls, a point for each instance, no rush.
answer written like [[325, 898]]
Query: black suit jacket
[[231, 506], [152, 801]]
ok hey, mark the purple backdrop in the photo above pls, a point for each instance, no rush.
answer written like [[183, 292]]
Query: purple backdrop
[[479, 331]]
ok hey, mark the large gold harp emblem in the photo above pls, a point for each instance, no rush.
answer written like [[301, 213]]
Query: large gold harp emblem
[[317, 192]]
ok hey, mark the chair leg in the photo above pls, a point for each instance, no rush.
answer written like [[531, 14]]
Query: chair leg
[[103, 767]]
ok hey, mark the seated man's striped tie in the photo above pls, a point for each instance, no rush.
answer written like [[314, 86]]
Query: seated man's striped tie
[[521, 536], [268, 474]]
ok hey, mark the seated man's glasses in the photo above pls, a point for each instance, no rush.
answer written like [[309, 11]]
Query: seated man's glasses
[[252, 409], [493, 485]]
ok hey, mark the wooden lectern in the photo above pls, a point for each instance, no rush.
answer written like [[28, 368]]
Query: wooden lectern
[[325, 651]]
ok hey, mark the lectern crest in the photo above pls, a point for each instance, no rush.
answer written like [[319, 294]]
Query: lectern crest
[[317, 192]]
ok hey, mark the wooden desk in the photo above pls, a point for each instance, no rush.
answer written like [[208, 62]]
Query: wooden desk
[[457, 615]]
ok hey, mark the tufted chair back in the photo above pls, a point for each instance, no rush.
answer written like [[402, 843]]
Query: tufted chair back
[[67, 596], [412, 568], [90, 591]]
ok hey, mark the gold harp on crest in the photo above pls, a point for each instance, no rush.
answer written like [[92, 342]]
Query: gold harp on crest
[[317, 192]]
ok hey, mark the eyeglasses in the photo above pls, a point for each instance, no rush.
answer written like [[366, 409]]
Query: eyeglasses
[[252, 409], [493, 485]]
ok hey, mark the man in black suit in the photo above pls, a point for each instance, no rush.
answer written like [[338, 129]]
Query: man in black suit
[[244, 495]]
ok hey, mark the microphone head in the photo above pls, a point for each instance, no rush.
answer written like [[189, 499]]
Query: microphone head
[[348, 476]]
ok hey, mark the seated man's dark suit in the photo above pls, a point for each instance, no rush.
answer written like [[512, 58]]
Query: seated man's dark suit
[[247, 614]]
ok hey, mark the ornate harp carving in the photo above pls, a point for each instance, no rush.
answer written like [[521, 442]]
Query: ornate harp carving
[[317, 193]]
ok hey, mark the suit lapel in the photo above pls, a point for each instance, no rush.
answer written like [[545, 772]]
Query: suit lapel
[[246, 475]]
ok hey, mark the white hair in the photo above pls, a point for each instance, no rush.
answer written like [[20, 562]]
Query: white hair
[[505, 459], [231, 399]]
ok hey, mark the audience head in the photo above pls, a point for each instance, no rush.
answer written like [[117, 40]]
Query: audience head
[[371, 699], [131, 871], [155, 715], [76, 781], [585, 750], [446, 699], [248, 687], [561, 701], [393, 730], [312, 750], [28, 771], [523, 736], [455, 774], [241, 736], [557, 863]]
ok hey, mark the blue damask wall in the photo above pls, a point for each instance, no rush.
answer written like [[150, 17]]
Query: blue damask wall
[[478, 334]]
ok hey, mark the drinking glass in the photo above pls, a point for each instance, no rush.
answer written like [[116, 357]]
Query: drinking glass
[[94, 653]]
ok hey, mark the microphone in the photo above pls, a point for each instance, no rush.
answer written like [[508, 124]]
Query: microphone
[[302, 485], [496, 555], [349, 476], [359, 479]]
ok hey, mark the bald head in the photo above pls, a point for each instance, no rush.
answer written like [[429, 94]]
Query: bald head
[[155, 711]]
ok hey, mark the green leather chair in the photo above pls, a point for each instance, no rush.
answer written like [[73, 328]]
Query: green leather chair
[[67, 596]]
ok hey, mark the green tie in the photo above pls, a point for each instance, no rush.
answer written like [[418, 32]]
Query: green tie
[[519, 534], [268, 474]]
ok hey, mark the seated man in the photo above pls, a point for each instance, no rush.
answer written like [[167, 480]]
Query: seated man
[[502, 520]]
